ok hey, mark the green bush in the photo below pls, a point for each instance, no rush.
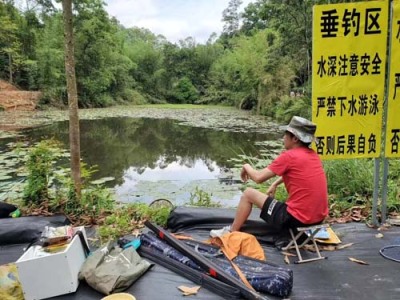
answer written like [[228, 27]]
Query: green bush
[[185, 92], [350, 177], [288, 107], [46, 183], [133, 97], [94, 201], [393, 197], [40, 169]]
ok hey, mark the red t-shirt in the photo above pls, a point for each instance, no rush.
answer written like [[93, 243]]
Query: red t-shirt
[[305, 181]]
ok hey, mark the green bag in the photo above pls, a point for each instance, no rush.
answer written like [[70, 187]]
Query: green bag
[[111, 269]]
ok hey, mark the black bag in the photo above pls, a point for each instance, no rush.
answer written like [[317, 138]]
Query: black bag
[[27, 229], [6, 209]]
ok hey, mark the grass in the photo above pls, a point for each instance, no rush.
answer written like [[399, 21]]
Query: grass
[[128, 218]]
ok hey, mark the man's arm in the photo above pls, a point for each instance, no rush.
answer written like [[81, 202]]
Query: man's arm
[[248, 172], [272, 189]]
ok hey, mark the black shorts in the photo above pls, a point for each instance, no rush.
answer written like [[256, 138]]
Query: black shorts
[[277, 217]]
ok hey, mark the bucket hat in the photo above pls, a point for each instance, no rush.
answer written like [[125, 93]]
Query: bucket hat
[[302, 128]]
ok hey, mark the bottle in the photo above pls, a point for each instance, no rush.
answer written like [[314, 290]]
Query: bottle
[[16, 213]]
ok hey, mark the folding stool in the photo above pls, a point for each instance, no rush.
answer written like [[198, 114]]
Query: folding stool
[[313, 230]]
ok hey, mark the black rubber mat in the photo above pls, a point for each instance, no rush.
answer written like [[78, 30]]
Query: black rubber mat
[[391, 252], [335, 278]]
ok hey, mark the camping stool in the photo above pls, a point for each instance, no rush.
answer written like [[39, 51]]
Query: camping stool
[[303, 230]]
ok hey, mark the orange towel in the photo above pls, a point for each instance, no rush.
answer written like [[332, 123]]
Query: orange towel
[[235, 243]]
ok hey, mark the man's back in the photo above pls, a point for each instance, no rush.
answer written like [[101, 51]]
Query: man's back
[[304, 178]]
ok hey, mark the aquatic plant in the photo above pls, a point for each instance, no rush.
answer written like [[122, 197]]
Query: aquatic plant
[[41, 159], [201, 198]]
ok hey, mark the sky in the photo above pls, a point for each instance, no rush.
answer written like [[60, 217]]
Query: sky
[[174, 19]]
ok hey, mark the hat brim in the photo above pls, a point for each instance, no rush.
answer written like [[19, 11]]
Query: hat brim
[[283, 128]]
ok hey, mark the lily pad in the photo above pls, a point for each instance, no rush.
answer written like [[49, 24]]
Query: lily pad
[[12, 195], [6, 135], [103, 180], [6, 171], [22, 174]]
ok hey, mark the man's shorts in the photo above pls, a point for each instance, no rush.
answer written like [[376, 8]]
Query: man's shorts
[[276, 215]]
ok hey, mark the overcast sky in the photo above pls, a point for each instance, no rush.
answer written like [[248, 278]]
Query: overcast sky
[[175, 19]]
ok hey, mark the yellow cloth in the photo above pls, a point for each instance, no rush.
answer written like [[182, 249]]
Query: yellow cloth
[[242, 243]]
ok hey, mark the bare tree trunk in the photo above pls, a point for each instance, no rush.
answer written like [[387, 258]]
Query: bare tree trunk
[[74, 136], [10, 68]]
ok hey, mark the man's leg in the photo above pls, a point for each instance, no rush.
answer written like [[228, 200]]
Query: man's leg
[[249, 198]]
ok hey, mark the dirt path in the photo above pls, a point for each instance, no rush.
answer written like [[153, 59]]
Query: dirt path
[[12, 98]]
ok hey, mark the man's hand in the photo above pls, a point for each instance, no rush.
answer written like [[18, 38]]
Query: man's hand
[[243, 174], [272, 190], [257, 176]]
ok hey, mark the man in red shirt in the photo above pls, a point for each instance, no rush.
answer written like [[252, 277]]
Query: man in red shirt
[[301, 170]]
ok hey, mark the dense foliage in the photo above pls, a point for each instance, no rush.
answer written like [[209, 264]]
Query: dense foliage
[[261, 56]]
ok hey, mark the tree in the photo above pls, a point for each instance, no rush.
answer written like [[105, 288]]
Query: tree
[[251, 74], [293, 20], [10, 45], [50, 59], [145, 50], [97, 53], [74, 135], [230, 16]]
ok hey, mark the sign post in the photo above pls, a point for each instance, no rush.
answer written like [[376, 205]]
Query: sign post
[[392, 128], [348, 81]]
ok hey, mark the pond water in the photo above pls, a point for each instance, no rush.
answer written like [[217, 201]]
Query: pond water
[[160, 158]]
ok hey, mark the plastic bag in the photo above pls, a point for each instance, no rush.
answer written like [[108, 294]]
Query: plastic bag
[[111, 269], [10, 287]]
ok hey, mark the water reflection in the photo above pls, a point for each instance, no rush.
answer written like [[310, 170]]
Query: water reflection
[[173, 171], [153, 151]]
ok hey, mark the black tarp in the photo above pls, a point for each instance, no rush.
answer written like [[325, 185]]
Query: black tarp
[[335, 278]]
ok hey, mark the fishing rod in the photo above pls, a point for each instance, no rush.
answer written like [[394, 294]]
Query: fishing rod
[[213, 269]]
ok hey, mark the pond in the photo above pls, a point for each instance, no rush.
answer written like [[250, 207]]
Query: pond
[[160, 158]]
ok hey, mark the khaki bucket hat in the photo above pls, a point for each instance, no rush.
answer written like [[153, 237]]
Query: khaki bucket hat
[[302, 128]]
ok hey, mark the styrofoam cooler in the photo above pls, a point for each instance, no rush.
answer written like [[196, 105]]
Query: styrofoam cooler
[[53, 274]]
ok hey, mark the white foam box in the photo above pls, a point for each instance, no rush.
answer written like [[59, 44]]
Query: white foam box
[[44, 276]]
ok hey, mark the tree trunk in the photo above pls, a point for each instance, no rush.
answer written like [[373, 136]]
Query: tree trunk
[[74, 136], [10, 80]]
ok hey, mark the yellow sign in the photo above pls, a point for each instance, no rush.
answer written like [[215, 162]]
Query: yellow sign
[[392, 146], [348, 78]]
